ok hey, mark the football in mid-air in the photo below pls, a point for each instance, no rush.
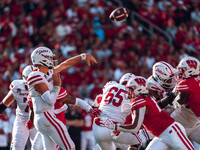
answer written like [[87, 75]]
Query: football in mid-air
[[119, 14]]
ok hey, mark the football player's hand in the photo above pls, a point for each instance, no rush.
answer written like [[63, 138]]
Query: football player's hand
[[90, 58], [94, 112], [29, 125], [97, 100], [171, 96], [115, 134], [56, 79], [108, 123]]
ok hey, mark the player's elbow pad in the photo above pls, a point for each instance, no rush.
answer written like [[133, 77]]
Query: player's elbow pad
[[2, 107], [50, 98]]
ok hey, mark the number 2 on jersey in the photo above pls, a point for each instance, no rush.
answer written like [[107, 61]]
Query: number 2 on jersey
[[115, 96]]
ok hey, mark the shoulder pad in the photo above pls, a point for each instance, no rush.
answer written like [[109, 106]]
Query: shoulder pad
[[138, 102], [17, 85], [35, 77], [108, 85], [62, 93]]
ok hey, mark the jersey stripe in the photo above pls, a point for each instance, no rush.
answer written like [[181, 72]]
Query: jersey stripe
[[59, 129], [138, 103], [62, 94], [61, 97], [146, 133], [138, 138], [182, 85], [183, 88], [33, 77], [34, 81]]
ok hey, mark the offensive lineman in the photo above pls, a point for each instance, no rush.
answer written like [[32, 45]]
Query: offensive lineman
[[114, 96]]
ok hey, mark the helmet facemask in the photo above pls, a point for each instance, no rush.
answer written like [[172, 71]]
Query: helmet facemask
[[42, 56], [48, 62]]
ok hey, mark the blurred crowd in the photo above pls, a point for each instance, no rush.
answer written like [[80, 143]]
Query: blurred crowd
[[72, 27]]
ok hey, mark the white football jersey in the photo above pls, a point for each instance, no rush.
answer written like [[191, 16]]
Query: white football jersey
[[114, 96], [39, 105], [20, 93]]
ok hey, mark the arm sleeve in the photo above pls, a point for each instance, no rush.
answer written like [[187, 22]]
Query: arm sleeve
[[140, 121], [50, 98], [82, 104]]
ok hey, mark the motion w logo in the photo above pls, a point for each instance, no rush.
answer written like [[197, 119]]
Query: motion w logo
[[192, 64]]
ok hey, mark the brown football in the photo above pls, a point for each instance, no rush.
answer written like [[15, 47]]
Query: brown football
[[119, 14]]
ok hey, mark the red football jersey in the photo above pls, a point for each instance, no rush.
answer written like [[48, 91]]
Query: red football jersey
[[61, 115], [128, 119], [88, 121], [191, 85], [156, 120]]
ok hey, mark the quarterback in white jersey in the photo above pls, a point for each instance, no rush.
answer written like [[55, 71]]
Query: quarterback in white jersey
[[19, 92], [44, 94], [113, 98]]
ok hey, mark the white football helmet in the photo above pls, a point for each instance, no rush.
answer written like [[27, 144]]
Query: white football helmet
[[26, 71], [188, 67], [124, 79], [165, 74], [42, 56], [137, 85]]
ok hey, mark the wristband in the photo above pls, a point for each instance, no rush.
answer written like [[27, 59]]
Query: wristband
[[83, 56]]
